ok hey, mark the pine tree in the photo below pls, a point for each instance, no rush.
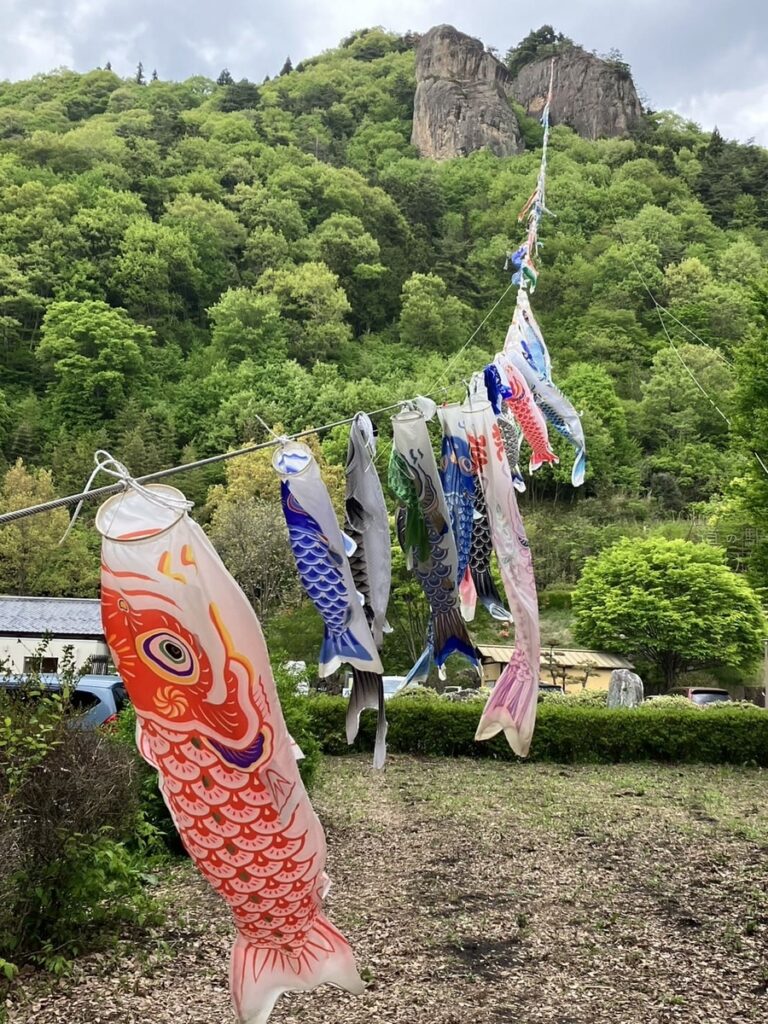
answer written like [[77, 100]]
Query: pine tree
[[108, 66], [154, 74], [287, 68], [140, 79], [225, 78]]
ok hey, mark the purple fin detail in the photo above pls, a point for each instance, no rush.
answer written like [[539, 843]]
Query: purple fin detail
[[241, 758]]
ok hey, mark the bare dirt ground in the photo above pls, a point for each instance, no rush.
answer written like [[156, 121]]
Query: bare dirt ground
[[484, 893]]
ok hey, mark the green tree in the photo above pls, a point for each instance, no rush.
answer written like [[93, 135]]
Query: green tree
[[431, 318], [314, 308], [673, 604], [247, 323], [31, 560], [94, 356], [751, 427], [537, 43]]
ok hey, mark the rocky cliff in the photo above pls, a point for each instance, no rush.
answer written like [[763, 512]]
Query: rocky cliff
[[461, 98], [596, 98], [463, 92]]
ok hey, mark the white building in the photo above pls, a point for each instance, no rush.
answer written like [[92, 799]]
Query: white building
[[35, 630]]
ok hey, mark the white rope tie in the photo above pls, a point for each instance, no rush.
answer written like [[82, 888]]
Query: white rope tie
[[106, 463]]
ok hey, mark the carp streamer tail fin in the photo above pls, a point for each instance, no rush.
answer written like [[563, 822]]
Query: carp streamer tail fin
[[368, 692], [259, 974], [340, 648], [451, 637], [511, 706], [489, 595], [579, 468]]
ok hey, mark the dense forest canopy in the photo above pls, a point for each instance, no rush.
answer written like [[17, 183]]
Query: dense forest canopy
[[180, 259]]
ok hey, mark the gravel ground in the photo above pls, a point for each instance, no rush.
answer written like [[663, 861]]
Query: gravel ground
[[488, 893]]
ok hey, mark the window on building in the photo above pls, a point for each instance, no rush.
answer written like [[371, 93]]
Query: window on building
[[45, 666], [100, 665]]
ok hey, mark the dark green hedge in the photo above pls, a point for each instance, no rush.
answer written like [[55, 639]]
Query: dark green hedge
[[563, 733]]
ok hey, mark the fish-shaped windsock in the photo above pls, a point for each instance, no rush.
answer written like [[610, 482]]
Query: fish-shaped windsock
[[190, 650], [458, 481], [483, 585], [510, 433], [522, 405], [367, 523], [499, 392], [512, 703], [526, 350], [413, 469], [321, 557]]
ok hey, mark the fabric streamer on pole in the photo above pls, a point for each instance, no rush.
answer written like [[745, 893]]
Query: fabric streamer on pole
[[525, 348], [415, 481], [511, 706], [367, 523], [191, 652]]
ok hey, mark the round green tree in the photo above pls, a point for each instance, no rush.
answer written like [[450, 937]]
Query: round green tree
[[670, 603]]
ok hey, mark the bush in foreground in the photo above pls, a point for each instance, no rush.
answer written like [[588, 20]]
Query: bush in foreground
[[565, 732], [69, 878]]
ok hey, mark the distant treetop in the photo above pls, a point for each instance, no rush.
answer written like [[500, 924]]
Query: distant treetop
[[539, 43]]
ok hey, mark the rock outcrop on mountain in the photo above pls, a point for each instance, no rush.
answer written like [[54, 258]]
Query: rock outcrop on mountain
[[596, 98], [461, 100], [463, 94]]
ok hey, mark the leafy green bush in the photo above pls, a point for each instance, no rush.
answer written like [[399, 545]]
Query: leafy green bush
[[299, 723], [566, 731], [69, 880], [555, 597], [588, 698]]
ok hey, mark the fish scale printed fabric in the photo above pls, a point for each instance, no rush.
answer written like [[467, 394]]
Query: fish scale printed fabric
[[191, 652]]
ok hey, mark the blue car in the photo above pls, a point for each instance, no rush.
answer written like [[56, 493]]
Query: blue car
[[97, 700]]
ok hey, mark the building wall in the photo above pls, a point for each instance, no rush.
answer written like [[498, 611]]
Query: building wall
[[599, 679], [13, 651]]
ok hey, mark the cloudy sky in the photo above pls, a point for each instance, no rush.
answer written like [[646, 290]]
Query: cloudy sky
[[707, 59]]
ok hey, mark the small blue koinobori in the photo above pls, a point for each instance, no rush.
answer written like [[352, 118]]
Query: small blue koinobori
[[320, 550]]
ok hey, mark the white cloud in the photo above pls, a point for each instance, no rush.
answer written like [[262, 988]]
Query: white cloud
[[738, 113]]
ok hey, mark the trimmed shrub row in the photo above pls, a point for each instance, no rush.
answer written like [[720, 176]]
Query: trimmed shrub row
[[564, 733]]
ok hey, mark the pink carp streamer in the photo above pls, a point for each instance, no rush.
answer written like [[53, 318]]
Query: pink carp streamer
[[191, 652], [511, 706], [522, 405]]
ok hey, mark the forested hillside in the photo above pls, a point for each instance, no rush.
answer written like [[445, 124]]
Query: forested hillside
[[180, 259]]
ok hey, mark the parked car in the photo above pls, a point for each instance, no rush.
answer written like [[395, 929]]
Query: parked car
[[701, 695], [97, 700], [392, 685]]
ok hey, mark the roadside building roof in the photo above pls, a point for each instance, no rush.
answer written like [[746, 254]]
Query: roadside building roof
[[65, 618], [565, 657]]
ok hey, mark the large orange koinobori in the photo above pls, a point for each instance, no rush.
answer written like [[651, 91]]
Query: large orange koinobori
[[191, 652]]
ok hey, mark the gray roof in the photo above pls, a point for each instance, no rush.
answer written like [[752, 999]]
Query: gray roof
[[66, 618]]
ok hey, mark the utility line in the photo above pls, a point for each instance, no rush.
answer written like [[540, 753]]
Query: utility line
[[7, 518]]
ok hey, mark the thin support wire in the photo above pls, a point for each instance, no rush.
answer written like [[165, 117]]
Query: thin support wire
[[472, 336]]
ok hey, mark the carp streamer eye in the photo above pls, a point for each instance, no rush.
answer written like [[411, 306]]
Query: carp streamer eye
[[169, 656]]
